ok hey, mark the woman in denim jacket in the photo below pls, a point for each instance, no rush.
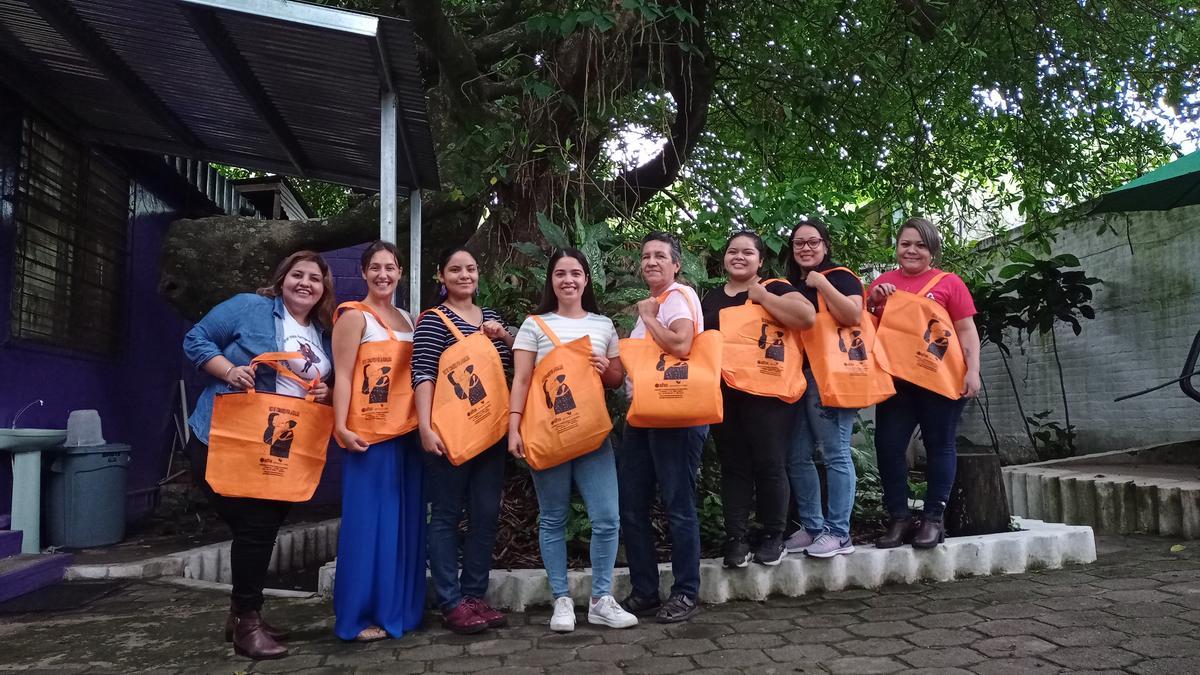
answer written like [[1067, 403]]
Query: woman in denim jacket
[[292, 314]]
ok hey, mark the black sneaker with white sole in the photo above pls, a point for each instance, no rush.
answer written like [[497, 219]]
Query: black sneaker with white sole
[[771, 550], [737, 552]]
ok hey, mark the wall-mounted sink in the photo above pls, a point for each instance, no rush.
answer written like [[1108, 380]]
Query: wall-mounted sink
[[26, 446], [25, 440]]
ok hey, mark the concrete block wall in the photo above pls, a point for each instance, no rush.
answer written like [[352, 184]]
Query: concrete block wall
[[1147, 312]]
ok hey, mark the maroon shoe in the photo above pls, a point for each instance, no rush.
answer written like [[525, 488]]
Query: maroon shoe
[[249, 638], [463, 619], [493, 617], [231, 622]]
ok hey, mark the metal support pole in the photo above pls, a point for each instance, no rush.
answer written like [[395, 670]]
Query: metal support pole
[[387, 166], [414, 251]]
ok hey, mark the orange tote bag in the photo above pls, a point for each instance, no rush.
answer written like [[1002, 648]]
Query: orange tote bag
[[760, 355], [916, 342], [669, 393], [565, 412], [381, 395], [842, 360], [470, 397], [266, 445]]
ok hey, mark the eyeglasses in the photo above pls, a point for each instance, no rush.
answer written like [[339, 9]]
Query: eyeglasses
[[800, 245]]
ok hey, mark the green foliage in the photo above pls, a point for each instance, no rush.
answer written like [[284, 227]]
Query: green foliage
[[1055, 441]]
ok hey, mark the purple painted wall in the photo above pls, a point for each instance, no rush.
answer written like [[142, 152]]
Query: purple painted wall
[[133, 390]]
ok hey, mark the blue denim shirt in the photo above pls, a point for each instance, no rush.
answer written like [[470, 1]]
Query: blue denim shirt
[[239, 329]]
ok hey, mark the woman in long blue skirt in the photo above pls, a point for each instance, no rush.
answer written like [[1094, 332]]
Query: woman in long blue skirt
[[381, 547]]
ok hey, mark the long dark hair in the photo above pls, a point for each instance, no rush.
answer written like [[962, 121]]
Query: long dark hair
[[443, 260], [758, 242], [794, 273], [322, 312], [549, 301]]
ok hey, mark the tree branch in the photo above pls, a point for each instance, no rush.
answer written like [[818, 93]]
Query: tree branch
[[456, 63], [503, 43]]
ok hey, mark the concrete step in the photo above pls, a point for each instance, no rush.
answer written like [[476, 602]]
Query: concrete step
[[10, 542], [1110, 503], [25, 573]]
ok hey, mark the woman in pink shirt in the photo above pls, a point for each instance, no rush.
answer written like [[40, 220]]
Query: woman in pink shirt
[[918, 248]]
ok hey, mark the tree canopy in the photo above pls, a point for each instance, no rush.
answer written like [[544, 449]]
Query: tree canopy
[[700, 116]]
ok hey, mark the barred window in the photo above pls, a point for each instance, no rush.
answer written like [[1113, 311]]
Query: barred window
[[71, 213]]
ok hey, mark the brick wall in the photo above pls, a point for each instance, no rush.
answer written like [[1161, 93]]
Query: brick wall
[[1146, 316]]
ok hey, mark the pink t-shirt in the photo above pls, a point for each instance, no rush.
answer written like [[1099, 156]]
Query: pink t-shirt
[[673, 308], [950, 292]]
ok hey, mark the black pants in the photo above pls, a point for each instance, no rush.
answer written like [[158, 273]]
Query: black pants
[[255, 525], [752, 444]]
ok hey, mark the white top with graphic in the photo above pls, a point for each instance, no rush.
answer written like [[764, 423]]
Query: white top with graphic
[[375, 332], [600, 329], [673, 308], [307, 341]]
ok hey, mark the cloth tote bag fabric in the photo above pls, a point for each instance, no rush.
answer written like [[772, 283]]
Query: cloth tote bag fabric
[[842, 359], [381, 394], [470, 398], [667, 392], [266, 445], [565, 412], [760, 355], [916, 343]]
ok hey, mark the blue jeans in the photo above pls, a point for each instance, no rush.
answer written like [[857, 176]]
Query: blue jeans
[[596, 476], [670, 458], [829, 428], [475, 486], [895, 420]]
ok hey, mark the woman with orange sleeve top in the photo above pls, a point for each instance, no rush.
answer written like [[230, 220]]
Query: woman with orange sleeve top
[[928, 342]]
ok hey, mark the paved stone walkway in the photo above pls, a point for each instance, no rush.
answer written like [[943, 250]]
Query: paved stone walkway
[[1137, 609]]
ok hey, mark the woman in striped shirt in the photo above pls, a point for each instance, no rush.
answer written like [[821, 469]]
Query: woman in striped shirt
[[477, 483]]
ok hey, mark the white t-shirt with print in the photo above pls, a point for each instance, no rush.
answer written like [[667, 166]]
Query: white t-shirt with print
[[315, 363], [600, 329]]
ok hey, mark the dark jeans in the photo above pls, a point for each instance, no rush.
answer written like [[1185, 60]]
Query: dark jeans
[[670, 458], [753, 454], [895, 420], [476, 487], [255, 524]]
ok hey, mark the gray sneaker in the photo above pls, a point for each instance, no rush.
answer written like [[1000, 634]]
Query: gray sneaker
[[826, 546], [799, 541]]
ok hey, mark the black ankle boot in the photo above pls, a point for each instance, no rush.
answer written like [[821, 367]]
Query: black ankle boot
[[930, 534], [900, 531]]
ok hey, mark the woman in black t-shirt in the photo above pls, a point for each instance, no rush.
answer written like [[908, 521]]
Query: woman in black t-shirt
[[823, 534], [753, 440]]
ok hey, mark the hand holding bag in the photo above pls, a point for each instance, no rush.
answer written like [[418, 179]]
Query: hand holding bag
[[382, 405]]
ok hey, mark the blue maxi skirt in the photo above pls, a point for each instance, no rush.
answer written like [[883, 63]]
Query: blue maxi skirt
[[381, 546]]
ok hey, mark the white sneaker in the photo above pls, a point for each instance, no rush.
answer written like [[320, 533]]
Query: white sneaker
[[563, 620], [608, 612]]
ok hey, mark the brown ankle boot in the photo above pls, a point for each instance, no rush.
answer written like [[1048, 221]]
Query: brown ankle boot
[[931, 533], [900, 531], [231, 621], [252, 640]]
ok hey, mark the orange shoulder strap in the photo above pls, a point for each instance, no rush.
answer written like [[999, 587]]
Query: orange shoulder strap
[[932, 282], [273, 361], [365, 309], [691, 307], [546, 329], [449, 324]]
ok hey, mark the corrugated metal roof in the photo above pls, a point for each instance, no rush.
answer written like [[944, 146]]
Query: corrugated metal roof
[[275, 85]]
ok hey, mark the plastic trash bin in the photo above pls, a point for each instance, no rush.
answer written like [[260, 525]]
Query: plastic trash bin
[[84, 501]]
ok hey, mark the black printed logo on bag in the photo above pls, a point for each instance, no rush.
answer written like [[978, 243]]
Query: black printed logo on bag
[[851, 343], [474, 392], [376, 383], [278, 436], [562, 400], [676, 371], [937, 337], [772, 344]]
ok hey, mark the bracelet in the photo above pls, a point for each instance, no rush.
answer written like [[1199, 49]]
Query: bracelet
[[227, 372], [516, 412]]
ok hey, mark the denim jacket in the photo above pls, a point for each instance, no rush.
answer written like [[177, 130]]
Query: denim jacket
[[239, 329]]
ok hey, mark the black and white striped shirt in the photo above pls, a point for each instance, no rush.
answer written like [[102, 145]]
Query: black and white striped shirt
[[432, 337]]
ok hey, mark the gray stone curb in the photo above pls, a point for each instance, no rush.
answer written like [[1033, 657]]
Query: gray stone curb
[[1039, 545]]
